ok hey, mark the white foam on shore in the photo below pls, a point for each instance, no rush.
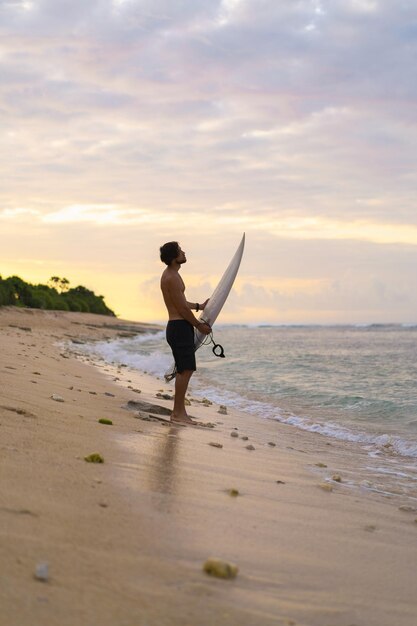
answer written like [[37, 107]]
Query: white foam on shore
[[124, 352], [329, 429], [127, 352]]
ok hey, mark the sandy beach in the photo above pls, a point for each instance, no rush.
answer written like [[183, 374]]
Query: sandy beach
[[123, 542]]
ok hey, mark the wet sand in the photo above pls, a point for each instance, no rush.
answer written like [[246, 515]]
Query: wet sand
[[125, 541]]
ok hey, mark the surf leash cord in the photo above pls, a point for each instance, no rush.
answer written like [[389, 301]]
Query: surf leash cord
[[217, 349]]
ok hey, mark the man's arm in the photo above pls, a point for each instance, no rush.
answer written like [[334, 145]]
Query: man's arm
[[196, 306]]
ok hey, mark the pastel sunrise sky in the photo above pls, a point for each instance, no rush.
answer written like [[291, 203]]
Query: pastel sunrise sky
[[128, 123]]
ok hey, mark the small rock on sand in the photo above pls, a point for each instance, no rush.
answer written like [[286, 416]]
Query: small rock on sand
[[215, 445], [250, 447], [220, 569], [233, 492], [321, 465], [111, 395], [57, 398], [244, 438], [325, 487], [272, 444], [42, 572], [222, 410], [234, 434], [106, 421], [337, 478]]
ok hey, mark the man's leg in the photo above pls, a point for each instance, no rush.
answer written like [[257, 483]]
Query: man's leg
[[179, 414]]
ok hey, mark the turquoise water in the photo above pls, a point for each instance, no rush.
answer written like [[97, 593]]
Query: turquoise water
[[348, 382]]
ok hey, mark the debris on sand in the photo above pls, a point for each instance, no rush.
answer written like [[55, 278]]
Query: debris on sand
[[164, 396], [57, 398], [325, 487], [95, 457], [42, 572], [407, 508], [103, 420], [220, 569]]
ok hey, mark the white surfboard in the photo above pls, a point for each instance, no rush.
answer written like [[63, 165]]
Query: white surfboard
[[217, 300]]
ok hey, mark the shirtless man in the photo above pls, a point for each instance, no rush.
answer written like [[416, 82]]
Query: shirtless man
[[180, 327]]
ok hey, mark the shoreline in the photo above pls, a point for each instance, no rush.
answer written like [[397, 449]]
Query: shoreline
[[376, 464], [126, 540]]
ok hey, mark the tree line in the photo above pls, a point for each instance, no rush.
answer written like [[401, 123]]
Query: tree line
[[56, 295]]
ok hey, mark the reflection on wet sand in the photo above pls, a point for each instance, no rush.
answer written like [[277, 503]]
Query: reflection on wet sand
[[164, 474]]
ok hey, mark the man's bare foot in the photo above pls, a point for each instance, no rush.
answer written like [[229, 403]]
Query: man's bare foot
[[182, 419]]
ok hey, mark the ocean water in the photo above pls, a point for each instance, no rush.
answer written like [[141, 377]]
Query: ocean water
[[357, 383]]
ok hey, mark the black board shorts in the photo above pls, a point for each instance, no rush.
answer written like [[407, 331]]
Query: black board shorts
[[180, 336]]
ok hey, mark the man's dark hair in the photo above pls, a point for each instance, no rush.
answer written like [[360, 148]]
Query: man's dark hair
[[169, 251]]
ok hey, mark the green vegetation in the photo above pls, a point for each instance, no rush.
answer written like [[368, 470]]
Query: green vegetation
[[94, 458], [56, 295], [103, 420]]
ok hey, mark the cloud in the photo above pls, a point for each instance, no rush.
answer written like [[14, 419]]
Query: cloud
[[131, 122]]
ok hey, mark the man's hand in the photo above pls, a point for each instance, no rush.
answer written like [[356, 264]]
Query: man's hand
[[204, 328]]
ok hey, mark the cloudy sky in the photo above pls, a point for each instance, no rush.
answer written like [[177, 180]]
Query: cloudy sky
[[128, 123]]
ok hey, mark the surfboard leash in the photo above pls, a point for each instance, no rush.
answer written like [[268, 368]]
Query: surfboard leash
[[217, 349]]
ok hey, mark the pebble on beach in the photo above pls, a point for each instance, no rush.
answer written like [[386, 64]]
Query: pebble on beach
[[272, 444], [220, 569], [234, 434], [233, 492], [164, 396], [325, 487], [337, 478], [42, 572], [321, 465], [250, 447], [244, 438], [57, 398], [103, 420], [215, 445], [222, 410]]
